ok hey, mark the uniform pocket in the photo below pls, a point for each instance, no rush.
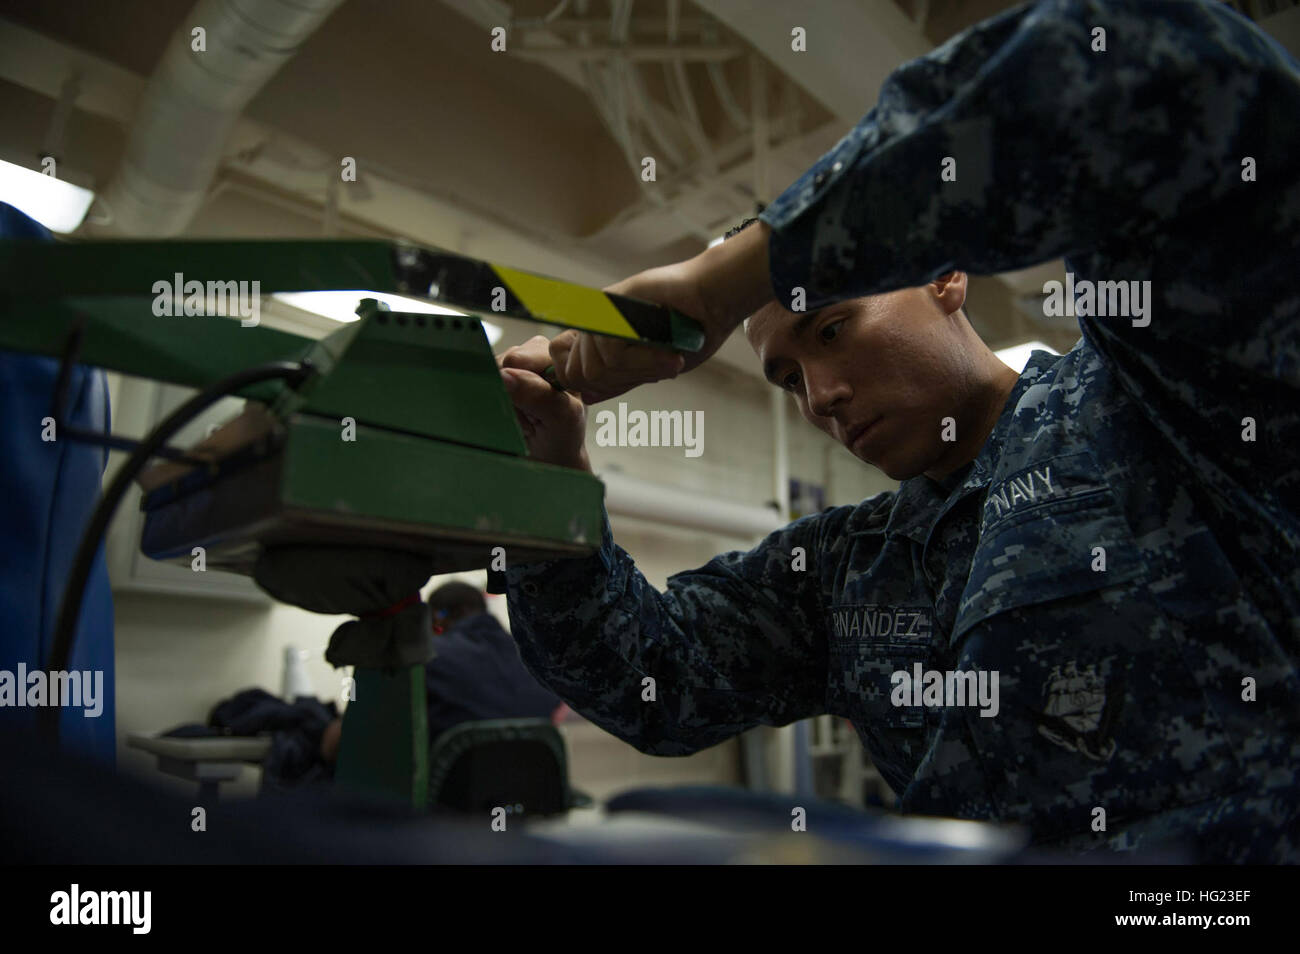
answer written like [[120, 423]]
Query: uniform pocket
[[869, 643], [1045, 541], [1098, 709], [1049, 552]]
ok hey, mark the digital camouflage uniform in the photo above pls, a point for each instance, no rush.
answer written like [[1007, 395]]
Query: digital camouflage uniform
[[1120, 688]]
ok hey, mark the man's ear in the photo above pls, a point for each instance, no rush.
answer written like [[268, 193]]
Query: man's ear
[[949, 290]]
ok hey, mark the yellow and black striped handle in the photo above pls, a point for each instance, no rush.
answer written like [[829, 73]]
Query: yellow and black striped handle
[[486, 289]]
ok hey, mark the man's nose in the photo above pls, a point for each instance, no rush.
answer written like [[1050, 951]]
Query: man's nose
[[825, 390]]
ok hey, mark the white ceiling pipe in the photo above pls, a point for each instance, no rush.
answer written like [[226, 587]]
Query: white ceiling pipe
[[642, 499], [193, 101]]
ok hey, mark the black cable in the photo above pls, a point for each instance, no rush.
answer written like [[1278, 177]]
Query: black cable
[[71, 353], [65, 629]]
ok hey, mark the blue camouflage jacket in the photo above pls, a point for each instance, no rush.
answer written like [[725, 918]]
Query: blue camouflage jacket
[[1124, 551]]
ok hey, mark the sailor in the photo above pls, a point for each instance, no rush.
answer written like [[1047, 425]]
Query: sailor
[[1142, 603]]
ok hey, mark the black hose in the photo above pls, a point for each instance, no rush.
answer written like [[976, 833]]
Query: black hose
[[65, 629]]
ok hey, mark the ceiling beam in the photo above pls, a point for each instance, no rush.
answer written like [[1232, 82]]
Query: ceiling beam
[[852, 45], [36, 62]]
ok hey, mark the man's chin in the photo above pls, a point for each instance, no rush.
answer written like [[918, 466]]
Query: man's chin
[[892, 468], [874, 463]]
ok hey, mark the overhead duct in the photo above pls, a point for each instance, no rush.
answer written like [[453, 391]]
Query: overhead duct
[[192, 102]]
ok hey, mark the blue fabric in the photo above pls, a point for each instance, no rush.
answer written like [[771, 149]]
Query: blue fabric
[[477, 674], [48, 491]]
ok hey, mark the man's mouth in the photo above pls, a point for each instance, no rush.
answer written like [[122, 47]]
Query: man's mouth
[[859, 431]]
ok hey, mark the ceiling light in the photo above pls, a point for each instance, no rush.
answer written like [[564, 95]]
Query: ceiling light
[[342, 306], [58, 205]]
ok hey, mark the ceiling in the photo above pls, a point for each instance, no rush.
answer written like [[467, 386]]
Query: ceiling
[[531, 156]]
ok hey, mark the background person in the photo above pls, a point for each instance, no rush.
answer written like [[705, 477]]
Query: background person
[[476, 673]]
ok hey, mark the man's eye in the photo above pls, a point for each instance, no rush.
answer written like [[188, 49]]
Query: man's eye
[[790, 381], [830, 330]]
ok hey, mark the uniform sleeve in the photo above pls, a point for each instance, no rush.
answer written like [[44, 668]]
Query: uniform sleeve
[[737, 643], [1062, 148]]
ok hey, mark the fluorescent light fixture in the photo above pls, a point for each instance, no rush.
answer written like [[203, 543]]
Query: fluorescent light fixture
[[342, 306], [59, 206], [717, 241], [1017, 356]]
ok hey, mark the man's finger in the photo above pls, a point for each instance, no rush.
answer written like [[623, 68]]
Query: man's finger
[[602, 365], [533, 355], [531, 392], [552, 378], [559, 349]]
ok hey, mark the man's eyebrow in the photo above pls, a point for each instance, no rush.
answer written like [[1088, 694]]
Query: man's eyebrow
[[800, 326]]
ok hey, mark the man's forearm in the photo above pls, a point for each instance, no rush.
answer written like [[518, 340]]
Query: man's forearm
[[676, 671], [736, 276]]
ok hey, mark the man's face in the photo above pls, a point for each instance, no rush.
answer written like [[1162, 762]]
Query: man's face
[[878, 374]]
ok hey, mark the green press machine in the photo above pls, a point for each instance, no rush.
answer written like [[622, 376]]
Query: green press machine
[[438, 466]]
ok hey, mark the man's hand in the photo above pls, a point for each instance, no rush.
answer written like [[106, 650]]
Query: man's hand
[[554, 422], [719, 288], [329, 741]]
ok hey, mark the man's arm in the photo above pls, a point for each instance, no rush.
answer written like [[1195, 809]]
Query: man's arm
[[1059, 147], [1166, 169], [736, 643], [1169, 156]]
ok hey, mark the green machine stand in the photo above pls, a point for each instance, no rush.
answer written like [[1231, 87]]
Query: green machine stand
[[402, 437], [385, 752]]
